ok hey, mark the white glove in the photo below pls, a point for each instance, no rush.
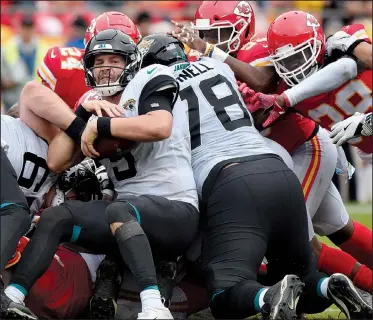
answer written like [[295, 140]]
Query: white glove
[[367, 125], [89, 164], [347, 129], [340, 41], [106, 185]]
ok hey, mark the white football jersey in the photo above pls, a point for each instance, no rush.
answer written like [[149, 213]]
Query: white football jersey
[[27, 153], [160, 168], [221, 128]]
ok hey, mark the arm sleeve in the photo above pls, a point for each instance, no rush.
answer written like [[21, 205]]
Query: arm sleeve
[[160, 93], [327, 79], [158, 100]]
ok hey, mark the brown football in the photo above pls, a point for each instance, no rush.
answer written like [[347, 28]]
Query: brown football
[[113, 147]]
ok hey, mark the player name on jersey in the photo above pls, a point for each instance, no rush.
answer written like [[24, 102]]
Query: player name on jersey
[[192, 71], [220, 125]]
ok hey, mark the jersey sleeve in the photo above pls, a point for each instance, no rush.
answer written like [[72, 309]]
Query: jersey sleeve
[[255, 53], [357, 30], [89, 95], [50, 67], [158, 78]]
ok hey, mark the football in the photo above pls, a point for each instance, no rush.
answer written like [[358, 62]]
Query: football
[[113, 147]]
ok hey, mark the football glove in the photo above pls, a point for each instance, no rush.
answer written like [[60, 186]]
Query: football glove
[[342, 41], [355, 126]]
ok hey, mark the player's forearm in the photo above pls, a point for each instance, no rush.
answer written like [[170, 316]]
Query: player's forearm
[[154, 126], [259, 79], [363, 52], [324, 80], [40, 126], [46, 104], [63, 153]]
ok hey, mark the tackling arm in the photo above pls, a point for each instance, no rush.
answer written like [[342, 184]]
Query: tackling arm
[[154, 122], [46, 104], [327, 79], [154, 126], [63, 153], [259, 79], [363, 52], [352, 40]]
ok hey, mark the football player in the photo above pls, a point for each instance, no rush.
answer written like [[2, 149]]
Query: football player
[[27, 154], [25, 180], [313, 152], [154, 181], [15, 212], [61, 71], [337, 104], [64, 288], [242, 186], [353, 44]]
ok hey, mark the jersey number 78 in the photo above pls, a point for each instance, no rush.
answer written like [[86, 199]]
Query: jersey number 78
[[220, 106]]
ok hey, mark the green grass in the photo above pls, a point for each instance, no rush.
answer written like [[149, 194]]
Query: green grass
[[358, 212]]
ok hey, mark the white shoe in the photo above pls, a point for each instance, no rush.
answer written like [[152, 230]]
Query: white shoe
[[155, 313]]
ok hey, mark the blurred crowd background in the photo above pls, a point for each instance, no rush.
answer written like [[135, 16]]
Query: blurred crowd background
[[29, 28]]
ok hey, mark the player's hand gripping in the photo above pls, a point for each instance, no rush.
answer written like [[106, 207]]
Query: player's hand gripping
[[341, 41], [273, 103], [246, 92], [188, 37], [88, 138], [97, 106], [352, 127]]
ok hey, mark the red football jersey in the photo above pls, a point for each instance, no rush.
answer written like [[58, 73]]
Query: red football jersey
[[87, 96], [292, 129], [61, 70], [353, 96]]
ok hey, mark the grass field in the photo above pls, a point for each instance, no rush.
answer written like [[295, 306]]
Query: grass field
[[358, 212]]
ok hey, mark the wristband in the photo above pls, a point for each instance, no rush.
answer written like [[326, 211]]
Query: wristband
[[209, 48], [103, 127], [82, 113], [75, 129], [352, 47], [218, 54]]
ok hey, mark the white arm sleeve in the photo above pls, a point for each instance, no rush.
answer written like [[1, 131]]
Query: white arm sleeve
[[324, 80]]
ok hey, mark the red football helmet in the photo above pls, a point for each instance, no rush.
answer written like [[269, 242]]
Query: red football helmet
[[237, 15], [296, 44], [112, 20]]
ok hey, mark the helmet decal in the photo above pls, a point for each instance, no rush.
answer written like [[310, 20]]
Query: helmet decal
[[243, 9]]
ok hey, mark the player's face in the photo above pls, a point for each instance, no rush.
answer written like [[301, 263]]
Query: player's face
[[108, 68], [212, 36], [296, 60]]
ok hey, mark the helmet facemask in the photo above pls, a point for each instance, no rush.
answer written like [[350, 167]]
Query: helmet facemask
[[132, 66], [294, 64], [233, 43]]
